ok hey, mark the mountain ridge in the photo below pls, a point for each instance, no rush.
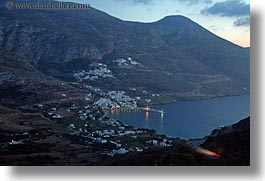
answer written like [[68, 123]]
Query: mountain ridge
[[201, 64]]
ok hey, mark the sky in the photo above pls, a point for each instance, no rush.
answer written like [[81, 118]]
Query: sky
[[229, 19]]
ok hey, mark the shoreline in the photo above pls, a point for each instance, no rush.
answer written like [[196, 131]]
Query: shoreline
[[173, 137], [189, 100]]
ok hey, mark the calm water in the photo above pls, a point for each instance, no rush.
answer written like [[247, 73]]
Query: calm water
[[190, 119]]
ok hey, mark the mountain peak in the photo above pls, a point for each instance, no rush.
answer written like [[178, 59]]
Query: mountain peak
[[174, 18]]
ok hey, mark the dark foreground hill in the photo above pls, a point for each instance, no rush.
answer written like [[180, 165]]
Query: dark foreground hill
[[232, 143], [174, 57]]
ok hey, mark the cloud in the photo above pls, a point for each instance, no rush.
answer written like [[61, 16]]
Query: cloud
[[229, 8], [244, 21]]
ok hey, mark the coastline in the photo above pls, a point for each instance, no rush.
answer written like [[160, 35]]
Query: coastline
[[194, 99], [179, 137]]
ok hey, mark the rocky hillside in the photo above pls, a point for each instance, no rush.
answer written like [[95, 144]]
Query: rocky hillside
[[232, 142], [22, 84]]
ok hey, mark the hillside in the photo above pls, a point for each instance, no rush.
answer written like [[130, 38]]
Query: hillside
[[174, 57]]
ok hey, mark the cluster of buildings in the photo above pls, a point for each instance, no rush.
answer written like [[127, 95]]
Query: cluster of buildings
[[90, 124], [17, 139], [121, 98], [106, 136], [98, 71], [126, 62], [112, 99], [13, 142], [117, 100], [85, 112], [115, 136], [105, 102], [164, 143]]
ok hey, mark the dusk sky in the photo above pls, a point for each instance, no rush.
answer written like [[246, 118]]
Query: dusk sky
[[229, 19]]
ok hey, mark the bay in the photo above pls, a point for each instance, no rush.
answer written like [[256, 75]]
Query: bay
[[189, 119]]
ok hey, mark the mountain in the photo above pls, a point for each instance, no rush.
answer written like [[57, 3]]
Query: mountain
[[174, 57]]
